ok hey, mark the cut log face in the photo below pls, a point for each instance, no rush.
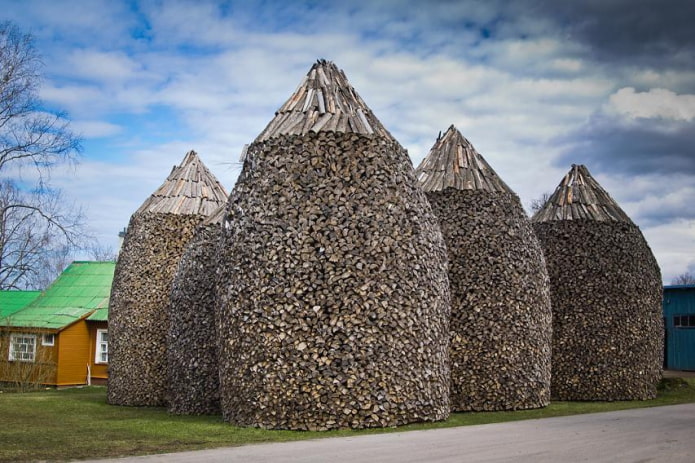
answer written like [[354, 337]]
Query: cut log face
[[334, 297], [138, 310], [500, 302], [606, 296], [192, 341]]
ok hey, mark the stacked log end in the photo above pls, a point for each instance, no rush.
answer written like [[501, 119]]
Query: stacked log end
[[334, 293], [500, 303], [138, 310], [192, 341], [606, 295]]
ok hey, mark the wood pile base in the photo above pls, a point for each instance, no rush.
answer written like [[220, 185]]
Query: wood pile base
[[192, 342], [138, 309], [335, 299], [500, 303], [606, 295]]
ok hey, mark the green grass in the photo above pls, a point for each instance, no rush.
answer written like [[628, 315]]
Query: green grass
[[77, 424]]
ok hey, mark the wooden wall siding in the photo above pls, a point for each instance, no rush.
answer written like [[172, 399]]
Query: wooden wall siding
[[606, 295], [679, 301], [324, 101], [453, 162], [192, 342], [42, 371], [138, 309], [73, 354], [334, 296], [579, 196], [190, 189]]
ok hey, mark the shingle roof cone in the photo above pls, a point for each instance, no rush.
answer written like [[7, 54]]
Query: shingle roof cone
[[139, 306], [190, 188], [453, 162], [579, 196], [334, 298], [324, 101]]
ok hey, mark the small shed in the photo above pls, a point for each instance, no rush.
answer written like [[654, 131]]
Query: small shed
[[679, 321], [52, 340]]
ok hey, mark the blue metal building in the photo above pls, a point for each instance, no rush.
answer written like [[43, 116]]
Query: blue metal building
[[679, 321]]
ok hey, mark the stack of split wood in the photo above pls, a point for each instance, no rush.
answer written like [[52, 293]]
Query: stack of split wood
[[138, 310], [606, 295], [334, 293], [192, 341], [500, 304]]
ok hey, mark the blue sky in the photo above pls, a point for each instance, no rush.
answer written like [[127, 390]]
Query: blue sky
[[535, 85]]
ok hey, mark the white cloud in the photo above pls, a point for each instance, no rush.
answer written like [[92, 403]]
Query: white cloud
[[95, 129], [668, 242], [102, 66], [656, 103]]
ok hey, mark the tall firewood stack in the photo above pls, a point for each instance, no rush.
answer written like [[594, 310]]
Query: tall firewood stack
[[334, 293], [606, 295], [192, 341], [500, 303], [138, 310]]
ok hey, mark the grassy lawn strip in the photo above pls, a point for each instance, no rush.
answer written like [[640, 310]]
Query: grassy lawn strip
[[78, 424]]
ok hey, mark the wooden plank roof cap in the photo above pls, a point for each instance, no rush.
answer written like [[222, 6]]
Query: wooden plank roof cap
[[453, 162], [579, 196], [324, 101], [217, 217], [190, 188]]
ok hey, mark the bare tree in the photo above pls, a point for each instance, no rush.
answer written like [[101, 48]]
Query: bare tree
[[537, 204], [686, 278], [37, 229], [103, 253], [38, 233]]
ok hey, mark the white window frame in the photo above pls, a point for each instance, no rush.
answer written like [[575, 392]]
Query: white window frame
[[23, 357], [101, 347], [45, 339]]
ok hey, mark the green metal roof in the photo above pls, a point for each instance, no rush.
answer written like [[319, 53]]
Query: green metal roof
[[99, 315], [13, 301], [81, 289]]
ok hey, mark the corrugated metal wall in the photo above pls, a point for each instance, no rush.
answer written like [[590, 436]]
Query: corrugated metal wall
[[679, 314]]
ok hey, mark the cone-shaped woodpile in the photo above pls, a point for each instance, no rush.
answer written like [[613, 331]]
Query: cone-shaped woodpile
[[192, 343], [138, 309], [606, 293], [335, 304], [500, 304]]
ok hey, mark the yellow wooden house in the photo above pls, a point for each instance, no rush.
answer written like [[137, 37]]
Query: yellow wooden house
[[61, 337]]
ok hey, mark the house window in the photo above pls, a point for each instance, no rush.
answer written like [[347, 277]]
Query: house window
[[684, 321], [48, 339], [102, 355], [22, 347]]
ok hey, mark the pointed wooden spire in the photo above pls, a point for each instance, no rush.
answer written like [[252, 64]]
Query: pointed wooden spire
[[453, 162], [579, 196], [324, 101], [189, 189]]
